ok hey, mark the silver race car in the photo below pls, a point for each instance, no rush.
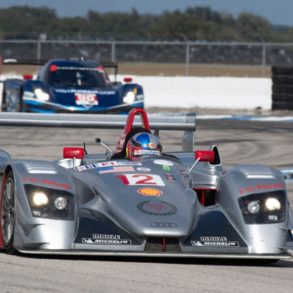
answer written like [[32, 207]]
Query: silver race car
[[141, 201]]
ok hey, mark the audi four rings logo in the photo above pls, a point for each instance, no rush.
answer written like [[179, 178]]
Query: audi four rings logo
[[163, 225]]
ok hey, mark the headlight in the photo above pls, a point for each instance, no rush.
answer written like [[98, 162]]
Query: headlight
[[129, 97], [50, 203], [253, 207], [264, 208], [41, 95], [272, 204], [60, 203], [39, 199]]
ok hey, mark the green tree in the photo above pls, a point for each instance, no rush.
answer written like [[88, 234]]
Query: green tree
[[253, 28]]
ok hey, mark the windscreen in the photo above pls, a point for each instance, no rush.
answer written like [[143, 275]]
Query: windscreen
[[77, 77]]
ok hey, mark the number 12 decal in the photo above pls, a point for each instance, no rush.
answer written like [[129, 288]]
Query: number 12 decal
[[141, 179]]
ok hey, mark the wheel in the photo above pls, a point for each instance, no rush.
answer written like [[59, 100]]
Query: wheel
[[8, 213], [3, 103], [11, 101]]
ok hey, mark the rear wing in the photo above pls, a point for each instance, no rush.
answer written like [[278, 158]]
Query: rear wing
[[182, 122], [12, 61], [35, 62]]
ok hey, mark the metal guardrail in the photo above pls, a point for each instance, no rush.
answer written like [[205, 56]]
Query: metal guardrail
[[185, 122]]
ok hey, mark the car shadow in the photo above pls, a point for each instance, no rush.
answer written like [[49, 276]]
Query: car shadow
[[169, 260]]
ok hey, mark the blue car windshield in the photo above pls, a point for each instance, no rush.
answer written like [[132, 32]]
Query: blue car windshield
[[78, 77]]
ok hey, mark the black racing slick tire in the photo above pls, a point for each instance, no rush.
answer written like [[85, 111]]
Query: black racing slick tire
[[8, 212], [11, 100], [3, 100], [282, 70]]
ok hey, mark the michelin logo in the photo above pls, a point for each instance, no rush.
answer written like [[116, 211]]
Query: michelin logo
[[214, 241]]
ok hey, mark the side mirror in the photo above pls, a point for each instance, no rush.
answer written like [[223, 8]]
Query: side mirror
[[205, 156], [127, 79], [27, 76], [73, 152], [99, 141]]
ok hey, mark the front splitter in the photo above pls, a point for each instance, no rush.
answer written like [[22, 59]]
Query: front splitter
[[160, 255]]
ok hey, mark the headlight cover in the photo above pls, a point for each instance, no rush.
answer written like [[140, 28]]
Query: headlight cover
[[129, 98], [272, 204], [50, 203], [39, 199], [41, 95], [253, 207], [264, 208]]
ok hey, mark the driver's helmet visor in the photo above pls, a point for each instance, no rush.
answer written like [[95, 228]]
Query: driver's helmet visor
[[145, 144]]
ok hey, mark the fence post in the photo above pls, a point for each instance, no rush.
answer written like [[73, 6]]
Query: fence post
[[113, 51], [39, 49], [187, 59], [263, 62]]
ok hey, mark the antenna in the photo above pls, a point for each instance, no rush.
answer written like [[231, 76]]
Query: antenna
[[84, 147]]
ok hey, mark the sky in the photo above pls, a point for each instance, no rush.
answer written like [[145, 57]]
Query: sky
[[278, 12]]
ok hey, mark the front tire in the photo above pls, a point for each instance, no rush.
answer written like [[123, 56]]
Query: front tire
[[8, 213]]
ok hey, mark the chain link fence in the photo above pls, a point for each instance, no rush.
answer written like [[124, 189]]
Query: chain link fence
[[187, 53]]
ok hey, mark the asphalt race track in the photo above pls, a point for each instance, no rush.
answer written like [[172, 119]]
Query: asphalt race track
[[238, 141]]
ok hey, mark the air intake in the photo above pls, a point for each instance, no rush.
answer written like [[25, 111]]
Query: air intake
[[40, 168], [162, 244], [257, 172]]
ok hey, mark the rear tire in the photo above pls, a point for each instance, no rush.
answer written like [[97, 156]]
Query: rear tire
[[3, 103], [11, 101], [8, 213]]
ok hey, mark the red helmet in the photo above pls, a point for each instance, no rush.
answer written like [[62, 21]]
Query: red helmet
[[142, 144]]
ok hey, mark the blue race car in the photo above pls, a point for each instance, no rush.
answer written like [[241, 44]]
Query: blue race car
[[72, 86]]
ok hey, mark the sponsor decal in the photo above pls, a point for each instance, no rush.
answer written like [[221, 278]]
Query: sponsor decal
[[86, 99], [46, 182], [251, 189], [130, 163], [86, 167], [116, 169], [166, 168], [214, 241], [106, 236], [81, 168], [106, 239], [163, 162], [157, 208], [141, 179], [143, 169], [170, 177], [73, 91], [163, 225], [149, 191], [146, 152], [105, 165]]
